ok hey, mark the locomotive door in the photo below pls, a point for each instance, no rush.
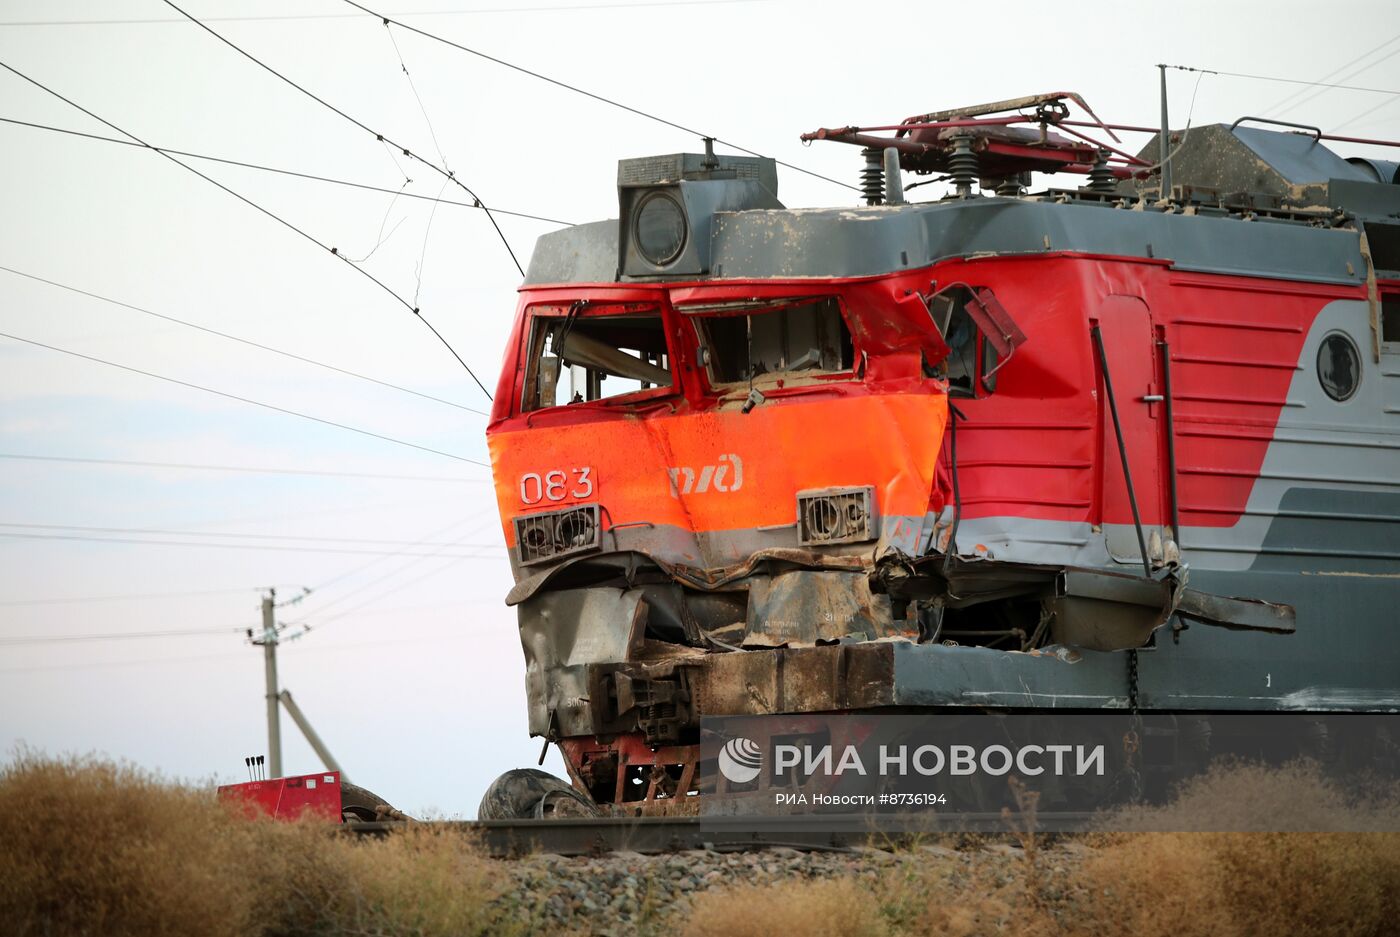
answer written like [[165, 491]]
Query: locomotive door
[[1130, 347]]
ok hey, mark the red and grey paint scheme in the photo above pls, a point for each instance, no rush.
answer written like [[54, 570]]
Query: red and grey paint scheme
[[1256, 379]]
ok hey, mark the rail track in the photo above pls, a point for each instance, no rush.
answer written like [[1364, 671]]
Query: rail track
[[583, 836]]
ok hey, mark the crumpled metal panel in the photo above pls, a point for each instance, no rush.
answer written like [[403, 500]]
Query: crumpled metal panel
[[796, 680], [1094, 609], [803, 607], [561, 632]]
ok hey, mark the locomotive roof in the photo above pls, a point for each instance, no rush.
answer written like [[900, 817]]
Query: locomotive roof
[[1248, 202], [876, 240]]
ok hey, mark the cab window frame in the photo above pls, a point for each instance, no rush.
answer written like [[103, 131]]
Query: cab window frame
[[984, 362], [540, 319], [699, 313]]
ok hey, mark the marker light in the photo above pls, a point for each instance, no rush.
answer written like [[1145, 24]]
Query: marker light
[[659, 228]]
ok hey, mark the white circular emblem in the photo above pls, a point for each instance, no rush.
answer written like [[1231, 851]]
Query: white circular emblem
[[740, 760]]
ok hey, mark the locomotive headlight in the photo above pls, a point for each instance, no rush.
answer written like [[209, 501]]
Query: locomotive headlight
[[658, 228]]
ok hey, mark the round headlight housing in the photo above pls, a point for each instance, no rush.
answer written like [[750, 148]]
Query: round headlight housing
[[658, 228]]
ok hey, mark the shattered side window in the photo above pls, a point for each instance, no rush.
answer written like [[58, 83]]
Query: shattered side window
[[588, 355], [753, 340], [966, 375]]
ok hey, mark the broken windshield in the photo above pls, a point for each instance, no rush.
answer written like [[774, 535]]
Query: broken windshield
[[750, 340], [585, 355]]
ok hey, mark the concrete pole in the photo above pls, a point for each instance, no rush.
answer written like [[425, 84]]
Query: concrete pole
[[1164, 147], [304, 724], [269, 643]]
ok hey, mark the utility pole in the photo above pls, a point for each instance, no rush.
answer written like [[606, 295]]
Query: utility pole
[[268, 640], [1164, 146], [304, 724], [271, 636]]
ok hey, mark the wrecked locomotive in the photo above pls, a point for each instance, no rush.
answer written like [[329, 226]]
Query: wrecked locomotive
[[994, 450]]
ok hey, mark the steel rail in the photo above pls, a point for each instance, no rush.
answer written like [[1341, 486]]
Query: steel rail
[[585, 836]]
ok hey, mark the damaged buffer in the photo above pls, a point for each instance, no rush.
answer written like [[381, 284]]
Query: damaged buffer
[[1065, 450]]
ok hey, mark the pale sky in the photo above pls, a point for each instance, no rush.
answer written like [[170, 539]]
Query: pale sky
[[413, 672]]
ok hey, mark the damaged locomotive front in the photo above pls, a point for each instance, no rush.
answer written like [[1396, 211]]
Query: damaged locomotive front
[[726, 452]]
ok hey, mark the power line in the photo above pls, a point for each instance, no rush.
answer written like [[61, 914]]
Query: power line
[[377, 135], [238, 468], [240, 535], [1366, 113], [1291, 81], [241, 341], [112, 636], [237, 546], [374, 582], [341, 16], [577, 90], [280, 220], [1278, 107], [124, 598], [364, 566], [385, 593], [285, 172], [102, 665], [256, 403]]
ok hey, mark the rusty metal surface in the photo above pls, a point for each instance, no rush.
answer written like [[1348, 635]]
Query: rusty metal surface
[[1249, 165], [796, 680], [800, 608]]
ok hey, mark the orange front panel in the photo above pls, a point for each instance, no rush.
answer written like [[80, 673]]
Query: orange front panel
[[725, 470]]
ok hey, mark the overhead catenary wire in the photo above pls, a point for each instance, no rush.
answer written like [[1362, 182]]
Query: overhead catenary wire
[[230, 657], [566, 8], [247, 400], [1294, 81], [355, 571], [588, 94], [285, 172], [385, 593], [240, 535], [241, 341], [1290, 101], [26, 639], [268, 212], [1366, 113], [389, 575], [261, 547], [124, 597], [365, 127], [249, 469]]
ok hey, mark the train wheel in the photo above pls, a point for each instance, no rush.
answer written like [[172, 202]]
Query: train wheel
[[528, 793], [360, 805]]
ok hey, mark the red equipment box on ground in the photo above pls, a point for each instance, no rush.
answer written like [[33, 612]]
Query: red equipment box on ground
[[289, 798]]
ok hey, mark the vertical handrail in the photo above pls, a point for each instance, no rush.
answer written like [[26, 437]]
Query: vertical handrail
[[1122, 448], [1171, 435]]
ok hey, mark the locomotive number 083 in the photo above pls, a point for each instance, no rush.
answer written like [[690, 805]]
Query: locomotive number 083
[[556, 485]]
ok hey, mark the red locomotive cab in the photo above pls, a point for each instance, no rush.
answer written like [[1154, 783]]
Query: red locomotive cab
[[693, 424], [959, 453]]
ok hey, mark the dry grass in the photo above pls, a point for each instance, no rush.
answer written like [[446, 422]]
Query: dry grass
[[1242, 884], [833, 908], [1134, 884], [1250, 797], [92, 848]]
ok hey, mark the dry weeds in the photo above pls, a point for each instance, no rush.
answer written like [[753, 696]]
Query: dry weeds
[[92, 848], [833, 908], [1145, 884], [88, 847]]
